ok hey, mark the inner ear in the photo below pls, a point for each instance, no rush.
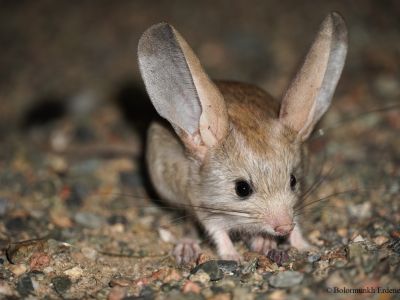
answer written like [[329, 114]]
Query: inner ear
[[180, 90], [310, 93]]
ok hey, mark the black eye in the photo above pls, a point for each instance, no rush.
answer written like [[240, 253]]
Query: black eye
[[293, 182], [243, 188]]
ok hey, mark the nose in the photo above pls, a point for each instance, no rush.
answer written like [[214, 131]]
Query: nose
[[284, 229]]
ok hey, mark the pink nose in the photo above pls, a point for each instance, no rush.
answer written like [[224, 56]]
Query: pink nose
[[284, 229]]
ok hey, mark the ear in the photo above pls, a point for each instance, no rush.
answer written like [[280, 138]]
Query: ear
[[180, 90], [310, 92]]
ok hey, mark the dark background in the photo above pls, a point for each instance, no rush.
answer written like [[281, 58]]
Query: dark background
[[61, 50]]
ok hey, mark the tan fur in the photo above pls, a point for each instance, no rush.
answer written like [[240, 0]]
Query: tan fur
[[225, 132]]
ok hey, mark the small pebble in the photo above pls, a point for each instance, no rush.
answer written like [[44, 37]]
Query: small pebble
[[39, 261], [5, 289], [48, 270], [117, 293], [250, 267], [172, 275], [240, 293], [191, 287], [24, 286], [395, 245], [89, 220], [286, 279], [380, 240], [120, 281], [18, 269], [74, 273], [313, 258], [89, 253], [61, 283], [277, 295], [22, 251], [211, 268], [358, 238], [166, 235], [228, 266], [202, 258], [200, 276]]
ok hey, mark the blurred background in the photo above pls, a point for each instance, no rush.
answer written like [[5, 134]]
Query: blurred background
[[84, 52], [74, 112]]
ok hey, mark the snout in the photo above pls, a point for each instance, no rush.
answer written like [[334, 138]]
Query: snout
[[285, 229]]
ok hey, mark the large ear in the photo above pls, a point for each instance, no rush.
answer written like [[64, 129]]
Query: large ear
[[310, 92], [180, 90]]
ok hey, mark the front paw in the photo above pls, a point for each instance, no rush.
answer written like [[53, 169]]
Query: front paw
[[186, 251], [297, 240], [262, 244]]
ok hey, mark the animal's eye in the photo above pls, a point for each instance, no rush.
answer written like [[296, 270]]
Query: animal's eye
[[243, 188], [293, 182]]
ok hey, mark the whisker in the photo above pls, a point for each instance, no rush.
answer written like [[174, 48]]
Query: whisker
[[327, 198]]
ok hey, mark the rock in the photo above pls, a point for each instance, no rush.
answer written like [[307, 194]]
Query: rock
[[266, 264], [250, 267], [200, 276], [39, 261], [227, 284], [395, 245], [18, 269], [380, 240], [74, 273], [228, 266], [202, 258], [147, 293], [241, 293], [166, 235], [48, 270], [120, 281], [89, 220], [358, 238], [21, 252], [313, 257], [89, 253], [211, 268], [117, 293], [172, 275], [355, 250], [61, 284], [286, 279], [190, 287], [5, 289], [277, 295], [25, 286], [335, 280]]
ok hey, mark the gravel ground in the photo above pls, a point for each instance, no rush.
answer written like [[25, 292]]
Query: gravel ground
[[78, 217]]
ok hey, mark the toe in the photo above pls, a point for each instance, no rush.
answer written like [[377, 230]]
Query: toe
[[186, 251]]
